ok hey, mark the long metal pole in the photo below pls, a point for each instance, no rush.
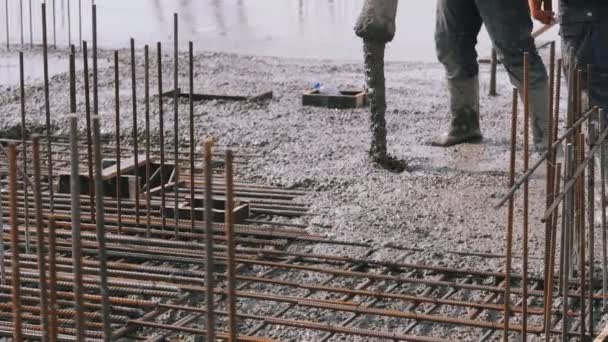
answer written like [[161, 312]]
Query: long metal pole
[[117, 128], [603, 204], [591, 129], [509, 247], [47, 107], [176, 118], [209, 259], [15, 277], [147, 114], [87, 103], [524, 281], [568, 206], [54, 329], [161, 134], [2, 247], [76, 237], [40, 241], [191, 116], [80, 22], [231, 263], [101, 234], [24, 159], [135, 135]]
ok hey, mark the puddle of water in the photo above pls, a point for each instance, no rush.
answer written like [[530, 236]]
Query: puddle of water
[[289, 28]]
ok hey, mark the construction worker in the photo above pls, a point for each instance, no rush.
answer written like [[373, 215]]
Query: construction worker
[[510, 27], [584, 32]]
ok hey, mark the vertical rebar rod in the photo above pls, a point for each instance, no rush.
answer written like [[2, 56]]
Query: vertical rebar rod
[[101, 233], [95, 81], [161, 136], [54, 328], [591, 129], [602, 124], [191, 122], [209, 262], [80, 23], [231, 262], [176, 117], [31, 25], [589, 86], [8, 39], [2, 247], [135, 135], [15, 277], [524, 280], [117, 128], [47, 107], [568, 213], [40, 241], [556, 105], [581, 233], [147, 115], [54, 24], [549, 181], [21, 20], [493, 70], [87, 104], [69, 23], [24, 159], [72, 82], [552, 255], [510, 214], [79, 322]]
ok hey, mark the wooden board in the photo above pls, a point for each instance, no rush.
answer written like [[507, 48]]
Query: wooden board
[[126, 165], [348, 99], [210, 97]]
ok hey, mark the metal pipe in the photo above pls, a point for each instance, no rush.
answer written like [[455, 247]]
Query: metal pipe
[[191, 122], [231, 269], [54, 328], [40, 241], [76, 237], [117, 127], [209, 262], [101, 234], [24, 150], [147, 115], [161, 133], [176, 116], [135, 135], [510, 214], [15, 276], [47, 107], [87, 104]]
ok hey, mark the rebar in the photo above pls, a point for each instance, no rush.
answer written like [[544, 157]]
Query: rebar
[[135, 131], [161, 132], [510, 218], [147, 127], [209, 259], [24, 148], [176, 95], [47, 106], [15, 276]]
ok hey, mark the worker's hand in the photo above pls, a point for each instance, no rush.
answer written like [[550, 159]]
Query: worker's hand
[[545, 17]]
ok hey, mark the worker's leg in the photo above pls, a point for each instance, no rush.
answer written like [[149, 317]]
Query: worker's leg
[[457, 27], [510, 27]]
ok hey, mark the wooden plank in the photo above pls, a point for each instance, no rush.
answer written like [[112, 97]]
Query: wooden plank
[[125, 166], [348, 99], [210, 97]]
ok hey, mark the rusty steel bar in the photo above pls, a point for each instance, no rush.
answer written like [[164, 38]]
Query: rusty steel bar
[[40, 241], [552, 255], [581, 228], [76, 235], [209, 259], [524, 280], [15, 276], [602, 125], [47, 109], [87, 104], [147, 128], [176, 94], [2, 248], [54, 328], [117, 129], [591, 129], [191, 122], [135, 135], [231, 269], [566, 246], [24, 147], [510, 217], [101, 234], [161, 132]]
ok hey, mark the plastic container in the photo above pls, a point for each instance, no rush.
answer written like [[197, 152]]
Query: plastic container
[[327, 89]]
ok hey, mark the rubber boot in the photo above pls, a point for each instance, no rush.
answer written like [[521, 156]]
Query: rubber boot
[[377, 20], [539, 110], [464, 107]]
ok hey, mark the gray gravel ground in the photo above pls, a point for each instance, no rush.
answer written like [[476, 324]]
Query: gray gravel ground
[[443, 203]]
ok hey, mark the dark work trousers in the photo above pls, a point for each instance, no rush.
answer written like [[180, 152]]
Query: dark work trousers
[[583, 44], [510, 27]]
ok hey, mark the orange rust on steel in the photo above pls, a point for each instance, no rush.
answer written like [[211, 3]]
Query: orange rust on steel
[[231, 269], [15, 277], [40, 241], [196, 331], [509, 237], [209, 259], [52, 281]]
